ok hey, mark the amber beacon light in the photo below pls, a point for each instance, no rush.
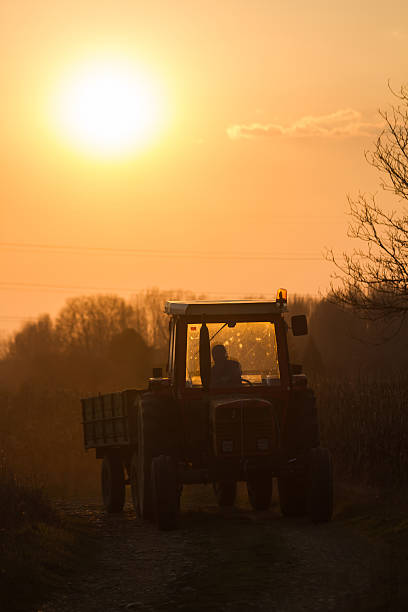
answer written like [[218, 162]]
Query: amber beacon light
[[282, 296]]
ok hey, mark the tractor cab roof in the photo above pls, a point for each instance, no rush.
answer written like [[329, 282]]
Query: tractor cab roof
[[222, 308]]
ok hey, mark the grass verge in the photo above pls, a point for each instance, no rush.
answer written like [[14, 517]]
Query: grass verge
[[381, 515]]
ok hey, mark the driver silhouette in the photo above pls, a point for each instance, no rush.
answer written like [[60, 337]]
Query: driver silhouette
[[225, 372]]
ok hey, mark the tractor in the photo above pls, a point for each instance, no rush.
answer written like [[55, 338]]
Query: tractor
[[230, 408]]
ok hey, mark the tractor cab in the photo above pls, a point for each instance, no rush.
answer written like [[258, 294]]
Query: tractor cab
[[230, 346]]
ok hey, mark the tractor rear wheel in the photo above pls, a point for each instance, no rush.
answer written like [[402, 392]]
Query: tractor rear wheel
[[225, 493], [259, 488], [321, 486], [292, 494], [165, 492], [158, 430], [143, 462], [113, 483]]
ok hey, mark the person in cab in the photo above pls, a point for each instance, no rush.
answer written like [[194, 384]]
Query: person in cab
[[225, 372]]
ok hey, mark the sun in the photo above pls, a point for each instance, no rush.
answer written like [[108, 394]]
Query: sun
[[109, 107]]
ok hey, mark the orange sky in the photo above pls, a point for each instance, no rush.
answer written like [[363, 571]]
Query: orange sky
[[269, 108]]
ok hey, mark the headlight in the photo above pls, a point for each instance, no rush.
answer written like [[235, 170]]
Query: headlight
[[227, 446]]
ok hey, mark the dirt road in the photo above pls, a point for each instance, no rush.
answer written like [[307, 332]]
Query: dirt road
[[231, 561]]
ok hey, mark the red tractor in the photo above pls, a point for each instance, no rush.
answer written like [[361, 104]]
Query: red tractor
[[231, 408]]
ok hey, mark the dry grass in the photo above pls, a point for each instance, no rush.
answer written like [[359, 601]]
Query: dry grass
[[43, 439], [37, 547], [22, 502]]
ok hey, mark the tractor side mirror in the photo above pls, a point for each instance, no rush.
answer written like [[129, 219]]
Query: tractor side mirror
[[205, 356], [299, 325]]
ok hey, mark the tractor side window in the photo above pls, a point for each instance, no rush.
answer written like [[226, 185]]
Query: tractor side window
[[193, 378], [172, 343], [251, 345]]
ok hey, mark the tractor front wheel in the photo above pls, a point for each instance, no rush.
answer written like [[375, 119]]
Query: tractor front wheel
[[225, 493], [113, 483]]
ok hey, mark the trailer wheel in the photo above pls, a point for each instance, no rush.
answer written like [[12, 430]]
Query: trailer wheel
[[259, 488], [225, 492], [133, 483], [165, 492], [292, 494], [320, 504], [113, 483]]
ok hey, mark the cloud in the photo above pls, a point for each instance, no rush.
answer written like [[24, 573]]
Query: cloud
[[397, 34], [342, 123]]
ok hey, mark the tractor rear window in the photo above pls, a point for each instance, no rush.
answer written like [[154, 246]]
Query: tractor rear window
[[241, 353]]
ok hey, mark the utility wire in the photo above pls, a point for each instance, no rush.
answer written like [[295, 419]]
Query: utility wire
[[6, 285], [162, 253]]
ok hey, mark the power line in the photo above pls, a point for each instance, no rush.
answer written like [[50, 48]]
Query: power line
[[44, 286], [162, 253]]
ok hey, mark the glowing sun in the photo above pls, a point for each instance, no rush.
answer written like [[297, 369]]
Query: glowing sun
[[109, 108]]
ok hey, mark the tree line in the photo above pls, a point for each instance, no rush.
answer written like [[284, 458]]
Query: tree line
[[100, 343], [96, 343], [103, 343]]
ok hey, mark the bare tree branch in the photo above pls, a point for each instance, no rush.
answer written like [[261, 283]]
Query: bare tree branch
[[373, 279]]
